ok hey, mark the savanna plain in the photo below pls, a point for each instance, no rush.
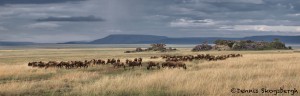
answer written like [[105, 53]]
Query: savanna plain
[[256, 69]]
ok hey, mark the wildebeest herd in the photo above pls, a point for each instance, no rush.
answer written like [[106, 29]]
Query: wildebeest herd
[[171, 61], [208, 57]]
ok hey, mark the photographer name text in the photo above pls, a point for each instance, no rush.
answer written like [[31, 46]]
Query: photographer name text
[[281, 90]]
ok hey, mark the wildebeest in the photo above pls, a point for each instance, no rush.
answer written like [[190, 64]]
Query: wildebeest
[[97, 62], [33, 64], [51, 64], [207, 57], [41, 64], [135, 59], [172, 64], [118, 61], [140, 60], [152, 64], [153, 57], [111, 61], [118, 65], [134, 63]]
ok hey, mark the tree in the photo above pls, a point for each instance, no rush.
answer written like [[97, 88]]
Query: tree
[[277, 44], [157, 47], [276, 40]]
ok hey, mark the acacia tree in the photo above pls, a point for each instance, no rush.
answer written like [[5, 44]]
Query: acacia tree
[[157, 47]]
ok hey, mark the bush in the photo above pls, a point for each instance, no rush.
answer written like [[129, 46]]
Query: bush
[[202, 47], [251, 45]]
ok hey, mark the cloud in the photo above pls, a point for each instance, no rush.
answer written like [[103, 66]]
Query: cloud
[[174, 18], [72, 19], [114, 31], [264, 28], [4, 2], [294, 15], [43, 25], [3, 28], [183, 22], [224, 1]]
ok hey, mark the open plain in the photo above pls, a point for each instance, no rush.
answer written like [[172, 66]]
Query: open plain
[[255, 70]]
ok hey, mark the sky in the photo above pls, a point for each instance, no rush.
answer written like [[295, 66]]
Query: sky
[[56, 21]]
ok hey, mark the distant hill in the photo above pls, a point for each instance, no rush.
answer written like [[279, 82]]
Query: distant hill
[[128, 39], [8, 43], [148, 39], [191, 40], [285, 39], [75, 42]]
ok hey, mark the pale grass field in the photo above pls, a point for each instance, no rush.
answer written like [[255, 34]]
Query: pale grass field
[[256, 69]]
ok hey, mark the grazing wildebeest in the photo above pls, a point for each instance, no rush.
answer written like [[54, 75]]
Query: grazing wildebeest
[[181, 64], [108, 61], [140, 60], [119, 64], [67, 65], [169, 64], [51, 64], [135, 59], [172, 64], [152, 64], [41, 64], [153, 57], [118, 61], [134, 63], [97, 62], [127, 61], [32, 64], [111, 61]]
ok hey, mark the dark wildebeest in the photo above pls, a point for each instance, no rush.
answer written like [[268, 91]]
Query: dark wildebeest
[[127, 61], [153, 57], [51, 64], [140, 60], [152, 64], [169, 64], [135, 59], [134, 63], [181, 64], [41, 64], [32, 64], [172, 64], [119, 64], [108, 61], [81, 64], [118, 61], [111, 61]]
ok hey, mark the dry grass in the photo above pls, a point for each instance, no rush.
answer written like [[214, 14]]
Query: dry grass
[[256, 69]]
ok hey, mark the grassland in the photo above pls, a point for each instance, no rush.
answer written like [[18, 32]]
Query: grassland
[[256, 69]]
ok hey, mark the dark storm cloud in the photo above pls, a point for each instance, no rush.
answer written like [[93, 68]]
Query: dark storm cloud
[[23, 20], [236, 9], [234, 6], [3, 2], [72, 19]]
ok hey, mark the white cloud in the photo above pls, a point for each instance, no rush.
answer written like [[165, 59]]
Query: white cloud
[[263, 28], [294, 15], [183, 22], [43, 25], [114, 31]]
